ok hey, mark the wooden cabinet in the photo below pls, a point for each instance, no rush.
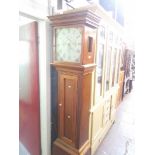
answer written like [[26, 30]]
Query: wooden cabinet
[[74, 43]]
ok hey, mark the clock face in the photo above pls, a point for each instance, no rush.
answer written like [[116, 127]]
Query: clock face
[[68, 44]]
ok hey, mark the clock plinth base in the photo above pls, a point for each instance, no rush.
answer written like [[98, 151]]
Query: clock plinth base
[[61, 148]]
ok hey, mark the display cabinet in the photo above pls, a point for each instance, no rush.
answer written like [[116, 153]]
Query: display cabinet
[[106, 78], [108, 69], [74, 48]]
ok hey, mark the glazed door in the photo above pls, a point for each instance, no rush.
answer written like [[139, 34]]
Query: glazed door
[[29, 110]]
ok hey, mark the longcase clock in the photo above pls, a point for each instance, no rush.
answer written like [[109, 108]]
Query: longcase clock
[[74, 41]]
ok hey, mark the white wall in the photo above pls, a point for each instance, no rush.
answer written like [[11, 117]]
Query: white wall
[[37, 8], [74, 4]]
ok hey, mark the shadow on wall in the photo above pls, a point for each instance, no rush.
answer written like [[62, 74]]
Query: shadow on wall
[[54, 93]]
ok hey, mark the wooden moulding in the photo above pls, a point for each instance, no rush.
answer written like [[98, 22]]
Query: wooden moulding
[[74, 68], [85, 17], [61, 148]]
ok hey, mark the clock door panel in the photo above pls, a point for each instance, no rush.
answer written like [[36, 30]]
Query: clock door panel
[[67, 112]]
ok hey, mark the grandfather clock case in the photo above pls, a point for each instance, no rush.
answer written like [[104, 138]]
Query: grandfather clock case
[[74, 47]]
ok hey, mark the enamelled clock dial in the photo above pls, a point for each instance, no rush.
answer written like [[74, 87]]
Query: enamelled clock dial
[[68, 44]]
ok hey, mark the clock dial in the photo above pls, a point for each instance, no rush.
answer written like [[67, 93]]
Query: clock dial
[[68, 44]]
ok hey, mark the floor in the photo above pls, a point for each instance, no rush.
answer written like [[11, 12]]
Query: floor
[[120, 138]]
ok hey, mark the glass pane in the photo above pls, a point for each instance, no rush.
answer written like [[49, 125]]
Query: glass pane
[[99, 69], [108, 64], [116, 41], [99, 63], [118, 67], [111, 36], [102, 33], [113, 66], [68, 44]]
